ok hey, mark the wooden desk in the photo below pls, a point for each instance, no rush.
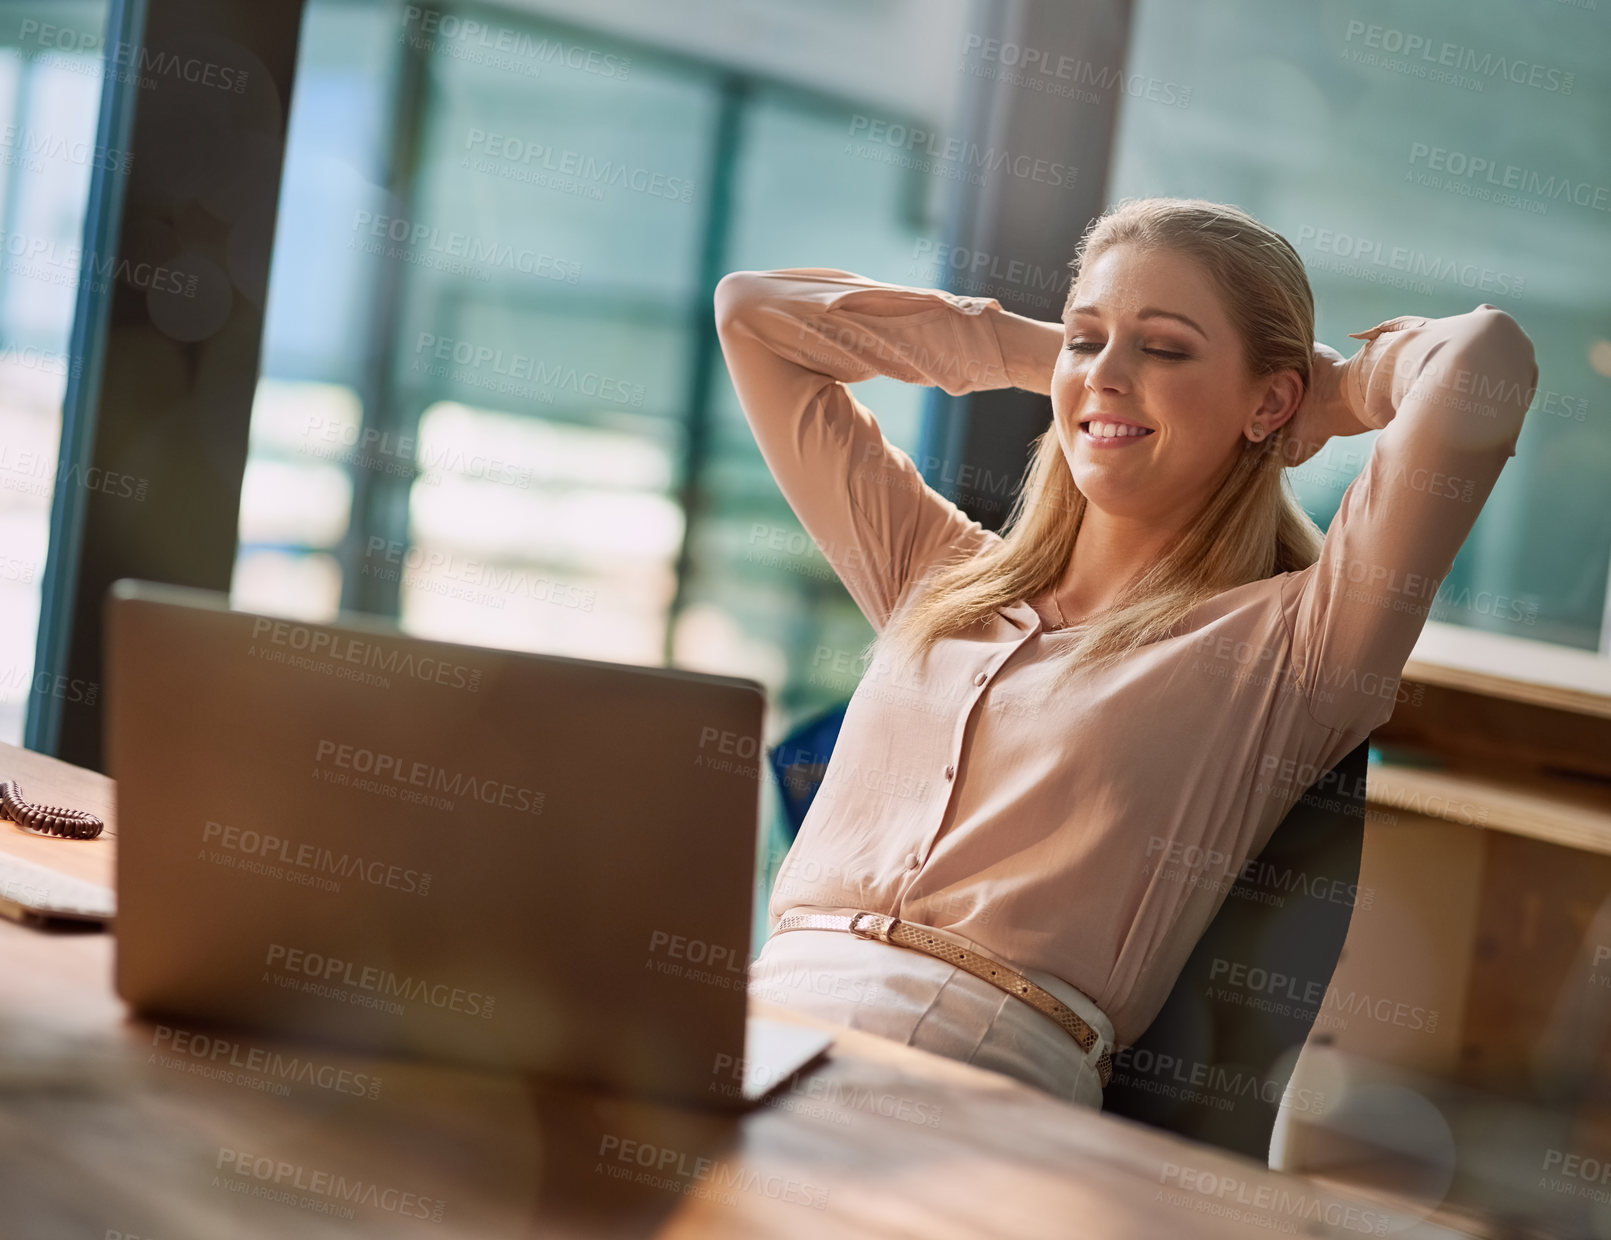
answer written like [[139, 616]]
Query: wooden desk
[[119, 1128]]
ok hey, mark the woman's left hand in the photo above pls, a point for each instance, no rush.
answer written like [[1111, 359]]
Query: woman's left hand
[[1322, 413]]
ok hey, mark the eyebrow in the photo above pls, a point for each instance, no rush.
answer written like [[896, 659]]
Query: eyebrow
[[1147, 312]]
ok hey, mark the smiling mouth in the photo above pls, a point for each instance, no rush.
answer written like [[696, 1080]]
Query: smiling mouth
[[1107, 432]]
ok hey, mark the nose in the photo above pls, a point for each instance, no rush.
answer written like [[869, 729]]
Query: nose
[[1105, 372]]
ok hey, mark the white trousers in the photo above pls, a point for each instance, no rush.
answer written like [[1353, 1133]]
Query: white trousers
[[920, 1001]]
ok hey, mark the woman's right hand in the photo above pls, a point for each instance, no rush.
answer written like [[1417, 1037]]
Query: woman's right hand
[[1323, 412]]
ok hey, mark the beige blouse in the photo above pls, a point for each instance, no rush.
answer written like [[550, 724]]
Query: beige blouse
[[1093, 834]]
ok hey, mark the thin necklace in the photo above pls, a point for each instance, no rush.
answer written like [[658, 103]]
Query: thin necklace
[[1062, 620]]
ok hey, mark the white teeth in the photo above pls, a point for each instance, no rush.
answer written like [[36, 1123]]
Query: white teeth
[[1113, 430]]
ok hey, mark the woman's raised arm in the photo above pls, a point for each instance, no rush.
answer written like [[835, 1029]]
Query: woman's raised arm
[[1449, 396], [794, 338]]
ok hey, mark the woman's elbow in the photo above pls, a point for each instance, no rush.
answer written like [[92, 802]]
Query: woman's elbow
[[1506, 356], [736, 293], [1495, 374]]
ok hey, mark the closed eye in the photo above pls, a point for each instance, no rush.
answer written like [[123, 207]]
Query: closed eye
[[1091, 346]]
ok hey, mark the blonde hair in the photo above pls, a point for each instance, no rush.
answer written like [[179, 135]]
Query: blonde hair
[[1251, 527]]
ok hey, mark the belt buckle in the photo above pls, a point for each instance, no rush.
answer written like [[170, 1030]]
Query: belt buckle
[[879, 933]]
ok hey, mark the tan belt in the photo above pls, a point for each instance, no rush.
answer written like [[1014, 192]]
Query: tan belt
[[888, 929]]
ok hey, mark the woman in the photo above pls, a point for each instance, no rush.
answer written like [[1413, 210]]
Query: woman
[[1071, 733]]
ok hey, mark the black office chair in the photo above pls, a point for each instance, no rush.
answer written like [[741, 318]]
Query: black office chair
[[1216, 1062]]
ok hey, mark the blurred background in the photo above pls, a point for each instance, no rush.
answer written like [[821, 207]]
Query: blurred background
[[490, 401], [513, 427]]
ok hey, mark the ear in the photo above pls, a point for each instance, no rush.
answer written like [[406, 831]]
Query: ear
[[1283, 393]]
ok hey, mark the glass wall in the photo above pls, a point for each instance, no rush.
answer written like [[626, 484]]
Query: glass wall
[[1423, 162], [50, 89], [492, 402]]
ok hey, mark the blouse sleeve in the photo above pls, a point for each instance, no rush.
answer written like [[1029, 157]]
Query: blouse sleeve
[[794, 338], [1448, 396]]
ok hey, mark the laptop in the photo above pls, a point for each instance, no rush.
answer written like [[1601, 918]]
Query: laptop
[[517, 861]]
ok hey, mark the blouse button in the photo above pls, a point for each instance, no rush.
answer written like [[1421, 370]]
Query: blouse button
[[981, 678], [950, 772], [911, 861]]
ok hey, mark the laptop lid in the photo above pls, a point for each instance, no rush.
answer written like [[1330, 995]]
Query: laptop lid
[[522, 861]]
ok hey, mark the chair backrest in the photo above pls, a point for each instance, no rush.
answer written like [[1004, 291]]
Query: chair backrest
[[800, 760], [1216, 1062]]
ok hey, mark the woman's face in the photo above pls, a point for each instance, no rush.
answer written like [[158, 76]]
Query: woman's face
[[1147, 342]]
